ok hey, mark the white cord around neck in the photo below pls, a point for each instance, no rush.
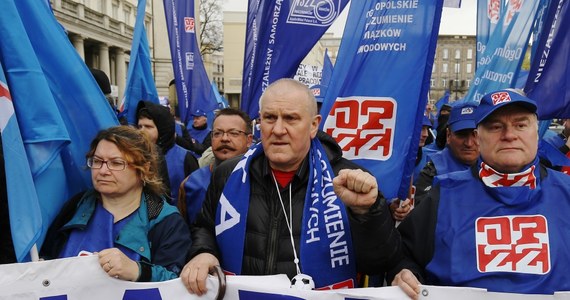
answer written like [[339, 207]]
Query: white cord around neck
[[289, 224]]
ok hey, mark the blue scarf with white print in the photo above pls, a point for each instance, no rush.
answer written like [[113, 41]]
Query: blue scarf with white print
[[326, 251]]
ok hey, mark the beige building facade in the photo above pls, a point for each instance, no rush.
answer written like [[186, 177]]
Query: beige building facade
[[102, 30], [453, 67]]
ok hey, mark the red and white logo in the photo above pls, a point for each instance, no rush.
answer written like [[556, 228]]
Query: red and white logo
[[363, 126], [346, 284], [513, 8], [494, 11], [500, 97], [189, 24], [316, 92], [517, 244]]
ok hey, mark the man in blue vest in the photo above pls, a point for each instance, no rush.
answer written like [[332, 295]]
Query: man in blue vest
[[500, 225], [157, 122], [199, 132], [459, 154], [231, 136]]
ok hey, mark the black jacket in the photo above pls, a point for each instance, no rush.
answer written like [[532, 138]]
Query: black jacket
[[267, 243]]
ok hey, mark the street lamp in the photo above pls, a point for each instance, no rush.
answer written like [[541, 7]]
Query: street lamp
[[457, 67]]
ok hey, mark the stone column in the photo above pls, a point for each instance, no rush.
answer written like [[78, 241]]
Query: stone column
[[77, 41], [121, 71], [104, 63]]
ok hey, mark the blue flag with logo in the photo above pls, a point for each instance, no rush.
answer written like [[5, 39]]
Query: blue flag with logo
[[500, 63], [193, 87], [377, 96], [488, 15], [549, 78], [140, 81], [279, 35], [58, 117]]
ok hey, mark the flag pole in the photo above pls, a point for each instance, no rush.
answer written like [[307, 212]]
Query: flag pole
[[34, 254]]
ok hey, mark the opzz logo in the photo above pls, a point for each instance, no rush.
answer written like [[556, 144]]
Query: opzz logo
[[363, 126], [517, 244], [189, 24], [500, 97], [494, 11]]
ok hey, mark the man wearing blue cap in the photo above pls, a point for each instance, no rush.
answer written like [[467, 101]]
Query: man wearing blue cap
[[460, 153], [501, 225], [199, 132]]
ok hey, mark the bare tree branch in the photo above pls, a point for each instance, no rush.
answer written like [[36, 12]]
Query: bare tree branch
[[211, 29]]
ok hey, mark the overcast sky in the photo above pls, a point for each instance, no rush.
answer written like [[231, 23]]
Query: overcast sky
[[461, 21]]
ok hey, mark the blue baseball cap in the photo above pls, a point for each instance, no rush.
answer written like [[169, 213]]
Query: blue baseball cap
[[495, 100], [199, 113], [462, 117], [426, 122]]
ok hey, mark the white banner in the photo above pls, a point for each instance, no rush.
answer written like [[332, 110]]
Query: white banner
[[81, 278], [309, 74]]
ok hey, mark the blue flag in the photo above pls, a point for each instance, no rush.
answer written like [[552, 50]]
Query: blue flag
[[377, 96], [500, 63], [193, 88], [58, 117], [140, 82], [222, 102], [549, 77], [488, 15], [279, 35], [22, 198]]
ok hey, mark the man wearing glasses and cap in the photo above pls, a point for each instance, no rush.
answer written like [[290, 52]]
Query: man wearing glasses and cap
[[500, 225]]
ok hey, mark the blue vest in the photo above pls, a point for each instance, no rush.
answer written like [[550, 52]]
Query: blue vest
[[502, 239], [133, 235], [195, 188], [554, 140], [199, 134], [175, 162], [445, 162]]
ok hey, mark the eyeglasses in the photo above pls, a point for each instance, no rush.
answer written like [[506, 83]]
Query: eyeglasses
[[114, 165], [234, 133]]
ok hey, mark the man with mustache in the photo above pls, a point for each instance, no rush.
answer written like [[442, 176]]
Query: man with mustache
[[231, 136]]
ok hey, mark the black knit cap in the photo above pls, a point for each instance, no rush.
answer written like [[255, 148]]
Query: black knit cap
[[102, 80], [163, 120]]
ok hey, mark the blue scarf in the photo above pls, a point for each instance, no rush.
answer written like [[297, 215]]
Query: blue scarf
[[326, 252]]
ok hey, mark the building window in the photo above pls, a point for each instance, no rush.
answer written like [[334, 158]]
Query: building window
[[468, 68], [457, 68], [468, 81], [457, 53], [444, 68], [115, 10], [444, 83], [445, 54], [127, 15], [432, 82], [469, 53], [433, 69]]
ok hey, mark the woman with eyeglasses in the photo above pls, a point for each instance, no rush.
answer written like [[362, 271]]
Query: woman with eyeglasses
[[124, 219]]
